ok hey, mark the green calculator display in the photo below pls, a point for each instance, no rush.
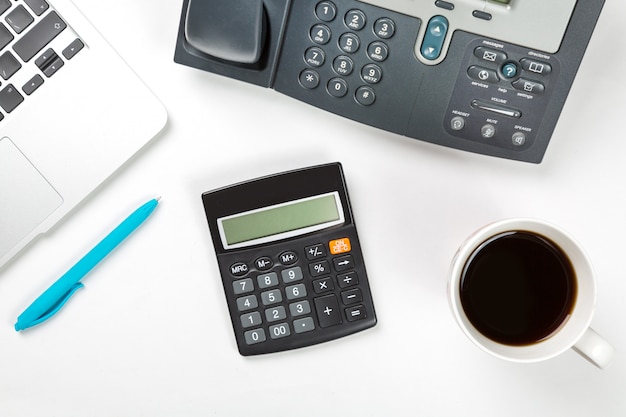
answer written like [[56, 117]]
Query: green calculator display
[[290, 259]]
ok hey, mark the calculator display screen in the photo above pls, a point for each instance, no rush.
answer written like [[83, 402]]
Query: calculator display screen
[[281, 221]]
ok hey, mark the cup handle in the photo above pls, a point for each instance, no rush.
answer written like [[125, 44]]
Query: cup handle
[[594, 348]]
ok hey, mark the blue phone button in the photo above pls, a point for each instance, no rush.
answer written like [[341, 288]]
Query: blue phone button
[[434, 38]]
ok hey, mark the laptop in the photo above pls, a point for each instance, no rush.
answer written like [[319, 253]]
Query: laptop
[[71, 113]]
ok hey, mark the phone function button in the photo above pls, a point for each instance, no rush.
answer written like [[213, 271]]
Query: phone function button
[[457, 123], [384, 28], [378, 51], [365, 96], [326, 11], [337, 87], [488, 131], [510, 70], [479, 14], [483, 74], [490, 55], [315, 57], [309, 79], [434, 37], [349, 43], [320, 34], [343, 65], [355, 19], [528, 86], [536, 67], [444, 4], [518, 138]]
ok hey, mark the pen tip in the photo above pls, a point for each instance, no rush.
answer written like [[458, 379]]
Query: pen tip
[[158, 198]]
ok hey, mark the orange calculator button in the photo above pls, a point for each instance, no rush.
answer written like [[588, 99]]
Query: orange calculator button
[[338, 246]]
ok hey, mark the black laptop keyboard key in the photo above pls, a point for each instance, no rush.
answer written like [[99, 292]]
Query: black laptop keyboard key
[[39, 36], [8, 65], [5, 36], [10, 98], [49, 62], [32, 84], [19, 19], [73, 48], [4, 5], [37, 6]]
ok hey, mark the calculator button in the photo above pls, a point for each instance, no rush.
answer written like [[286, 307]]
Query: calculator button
[[327, 308], [251, 319], [295, 291], [267, 280], [288, 257], [351, 296], [291, 274], [339, 246], [348, 279], [303, 325], [243, 286], [271, 297], [254, 336], [323, 285], [275, 314], [247, 303], [300, 308], [343, 263], [264, 263], [355, 313], [279, 330], [319, 268], [239, 269], [315, 251]]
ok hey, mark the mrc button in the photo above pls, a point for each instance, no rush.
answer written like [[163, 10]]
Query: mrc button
[[434, 37]]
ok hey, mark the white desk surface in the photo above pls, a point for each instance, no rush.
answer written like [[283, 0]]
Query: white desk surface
[[149, 335]]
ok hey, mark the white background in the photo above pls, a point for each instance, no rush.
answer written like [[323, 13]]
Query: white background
[[149, 335]]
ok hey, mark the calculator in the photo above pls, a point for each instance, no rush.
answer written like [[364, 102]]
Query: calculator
[[290, 259]]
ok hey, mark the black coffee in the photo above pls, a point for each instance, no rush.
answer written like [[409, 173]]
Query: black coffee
[[518, 288]]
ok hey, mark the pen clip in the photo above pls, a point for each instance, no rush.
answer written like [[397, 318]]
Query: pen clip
[[57, 306]]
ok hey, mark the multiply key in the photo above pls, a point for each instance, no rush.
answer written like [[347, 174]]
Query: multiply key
[[39, 36]]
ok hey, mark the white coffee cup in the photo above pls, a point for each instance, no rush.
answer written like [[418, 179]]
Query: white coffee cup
[[573, 332]]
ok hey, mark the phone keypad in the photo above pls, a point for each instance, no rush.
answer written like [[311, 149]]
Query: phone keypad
[[355, 57]]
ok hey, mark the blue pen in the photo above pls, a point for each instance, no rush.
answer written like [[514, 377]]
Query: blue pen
[[51, 301]]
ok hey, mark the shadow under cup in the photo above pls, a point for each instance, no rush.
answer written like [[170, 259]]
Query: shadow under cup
[[522, 291]]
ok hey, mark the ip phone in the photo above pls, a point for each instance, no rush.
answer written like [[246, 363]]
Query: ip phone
[[485, 76]]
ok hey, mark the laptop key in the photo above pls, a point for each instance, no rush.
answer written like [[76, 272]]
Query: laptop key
[[10, 98], [5, 36], [32, 84], [4, 6], [73, 48], [19, 19], [39, 36], [8, 65], [37, 6]]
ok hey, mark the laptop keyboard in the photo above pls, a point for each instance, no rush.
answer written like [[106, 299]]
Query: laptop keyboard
[[27, 29]]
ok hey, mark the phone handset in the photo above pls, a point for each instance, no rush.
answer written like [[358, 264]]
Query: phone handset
[[229, 30]]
